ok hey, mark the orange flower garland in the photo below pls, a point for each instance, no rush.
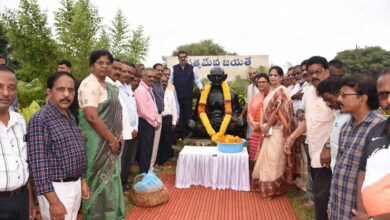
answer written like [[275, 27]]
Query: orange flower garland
[[228, 111]]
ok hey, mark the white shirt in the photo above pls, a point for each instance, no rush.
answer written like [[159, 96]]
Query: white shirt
[[170, 105], [305, 86], [339, 121], [131, 108], [319, 121], [125, 115], [172, 88], [13, 153], [294, 90], [251, 90]]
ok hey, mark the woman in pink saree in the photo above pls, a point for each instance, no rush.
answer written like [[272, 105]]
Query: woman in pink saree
[[255, 108], [274, 166]]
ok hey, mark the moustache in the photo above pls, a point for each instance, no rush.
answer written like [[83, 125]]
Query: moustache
[[314, 79], [5, 99], [65, 99]]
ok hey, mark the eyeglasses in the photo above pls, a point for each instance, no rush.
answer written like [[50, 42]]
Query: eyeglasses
[[102, 63], [383, 95], [63, 90], [343, 95], [182, 57], [317, 72]]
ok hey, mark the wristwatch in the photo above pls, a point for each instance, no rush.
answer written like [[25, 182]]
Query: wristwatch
[[327, 146]]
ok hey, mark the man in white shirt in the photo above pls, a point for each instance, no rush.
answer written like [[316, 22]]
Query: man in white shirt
[[250, 90], [318, 122], [170, 86], [295, 88], [169, 118], [16, 199], [130, 128], [328, 90]]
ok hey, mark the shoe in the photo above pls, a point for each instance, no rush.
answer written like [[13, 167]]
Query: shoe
[[308, 205]]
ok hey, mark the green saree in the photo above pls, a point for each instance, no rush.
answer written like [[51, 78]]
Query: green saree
[[103, 168]]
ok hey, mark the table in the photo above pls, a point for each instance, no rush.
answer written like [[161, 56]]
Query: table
[[208, 167]]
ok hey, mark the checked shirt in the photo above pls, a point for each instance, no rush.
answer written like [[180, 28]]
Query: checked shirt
[[343, 189], [56, 148]]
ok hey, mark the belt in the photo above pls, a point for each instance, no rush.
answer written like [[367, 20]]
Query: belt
[[69, 179], [13, 194]]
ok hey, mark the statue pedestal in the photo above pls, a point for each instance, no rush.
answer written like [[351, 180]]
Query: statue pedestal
[[201, 142]]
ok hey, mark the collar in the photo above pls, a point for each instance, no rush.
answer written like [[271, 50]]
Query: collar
[[109, 80], [55, 113], [368, 119], [144, 85], [13, 119], [119, 84]]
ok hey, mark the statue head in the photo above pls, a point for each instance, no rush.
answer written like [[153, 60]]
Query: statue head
[[217, 76]]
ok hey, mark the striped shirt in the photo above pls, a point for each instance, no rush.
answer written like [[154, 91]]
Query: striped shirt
[[56, 148], [343, 189], [13, 153]]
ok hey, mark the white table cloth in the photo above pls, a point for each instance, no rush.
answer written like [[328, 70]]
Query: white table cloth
[[208, 167]]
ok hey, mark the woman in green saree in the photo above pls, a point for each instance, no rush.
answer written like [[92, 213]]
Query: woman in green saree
[[101, 121]]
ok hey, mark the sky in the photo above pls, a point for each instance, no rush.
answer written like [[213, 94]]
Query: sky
[[287, 31]]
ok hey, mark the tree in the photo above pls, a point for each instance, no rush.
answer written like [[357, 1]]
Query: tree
[[77, 24], [139, 45], [104, 40], [369, 60], [30, 38], [202, 48], [263, 69], [63, 23], [119, 36], [131, 48], [3, 40]]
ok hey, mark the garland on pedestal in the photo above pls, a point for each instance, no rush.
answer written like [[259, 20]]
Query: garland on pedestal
[[228, 111]]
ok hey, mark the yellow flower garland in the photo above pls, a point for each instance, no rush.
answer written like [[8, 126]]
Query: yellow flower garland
[[228, 111]]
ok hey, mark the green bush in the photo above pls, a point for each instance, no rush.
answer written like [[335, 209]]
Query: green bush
[[239, 85], [29, 111], [29, 92]]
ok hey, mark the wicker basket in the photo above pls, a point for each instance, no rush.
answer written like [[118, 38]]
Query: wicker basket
[[149, 199]]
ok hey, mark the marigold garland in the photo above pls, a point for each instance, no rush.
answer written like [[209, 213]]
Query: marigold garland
[[228, 111]]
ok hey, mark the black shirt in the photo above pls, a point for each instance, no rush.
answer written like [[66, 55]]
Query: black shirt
[[378, 138]]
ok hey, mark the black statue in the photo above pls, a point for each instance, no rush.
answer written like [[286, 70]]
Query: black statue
[[215, 108]]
